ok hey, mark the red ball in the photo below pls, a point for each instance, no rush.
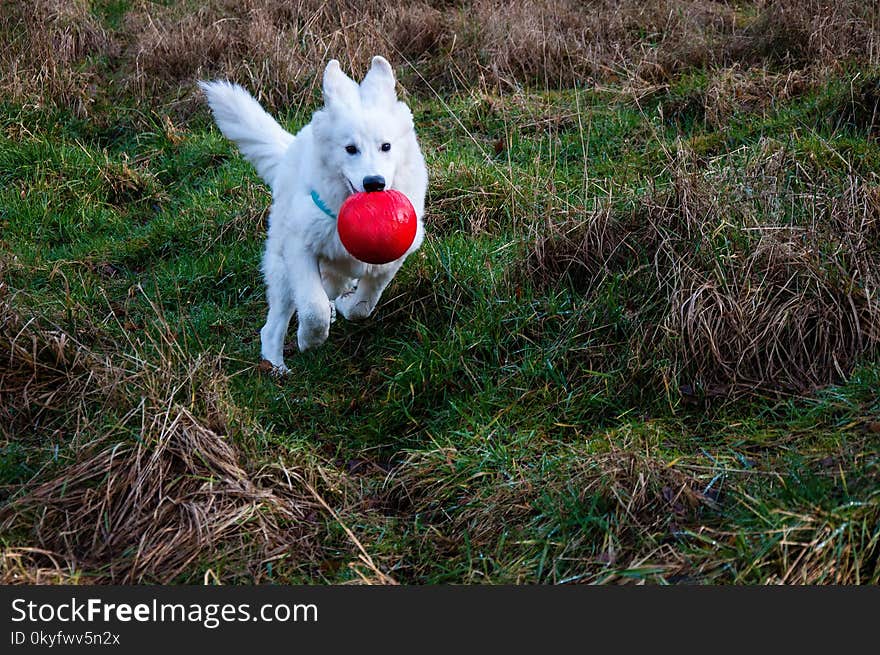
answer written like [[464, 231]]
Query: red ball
[[377, 227]]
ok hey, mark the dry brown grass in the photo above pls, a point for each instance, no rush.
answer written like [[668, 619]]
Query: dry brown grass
[[809, 31], [754, 90], [742, 299], [145, 509], [48, 42], [150, 484], [33, 566], [61, 52], [769, 304], [814, 545], [639, 499], [581, 248]]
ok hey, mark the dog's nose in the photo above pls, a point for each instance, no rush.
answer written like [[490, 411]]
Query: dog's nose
[[374, 183]]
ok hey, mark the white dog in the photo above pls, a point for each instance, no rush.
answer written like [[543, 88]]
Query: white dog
[[363, 139]]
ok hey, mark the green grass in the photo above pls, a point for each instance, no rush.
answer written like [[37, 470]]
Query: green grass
[[487, 426]]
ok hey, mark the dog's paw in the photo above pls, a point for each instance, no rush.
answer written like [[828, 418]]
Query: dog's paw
[[312, 335], [332, 311], [275, 370], [352, 309], [314, 323]]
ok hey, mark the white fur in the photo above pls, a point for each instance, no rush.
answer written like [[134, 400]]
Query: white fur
[[306, 268]]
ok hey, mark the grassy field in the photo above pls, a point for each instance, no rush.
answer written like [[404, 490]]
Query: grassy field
[[639, 344]]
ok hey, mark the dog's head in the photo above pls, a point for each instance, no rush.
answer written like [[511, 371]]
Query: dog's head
[[364, 132]]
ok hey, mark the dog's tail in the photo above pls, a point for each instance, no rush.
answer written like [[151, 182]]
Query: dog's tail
[[240, 117]]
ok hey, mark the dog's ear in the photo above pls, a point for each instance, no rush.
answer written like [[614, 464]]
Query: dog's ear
[[339, 89], [378, 85]]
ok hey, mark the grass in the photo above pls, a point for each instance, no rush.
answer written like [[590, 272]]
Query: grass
[[638, 345]]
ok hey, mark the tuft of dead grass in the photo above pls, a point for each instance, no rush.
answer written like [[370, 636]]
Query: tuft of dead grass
[[735, 297], [798, 32], [580, 248], [766, 303], [145, 508], [753, 90], [33, 566]]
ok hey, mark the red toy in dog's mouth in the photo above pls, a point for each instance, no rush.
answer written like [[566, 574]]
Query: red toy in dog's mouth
[[377, 227]]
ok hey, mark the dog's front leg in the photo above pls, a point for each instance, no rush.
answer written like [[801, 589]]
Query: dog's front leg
[[279, 293], [358, 304], [312, 304]]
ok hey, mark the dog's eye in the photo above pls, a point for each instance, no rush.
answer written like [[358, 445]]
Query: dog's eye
[[351, 150], [386, 147]]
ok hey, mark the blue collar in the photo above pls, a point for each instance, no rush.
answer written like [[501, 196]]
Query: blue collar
[[320, 205]]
